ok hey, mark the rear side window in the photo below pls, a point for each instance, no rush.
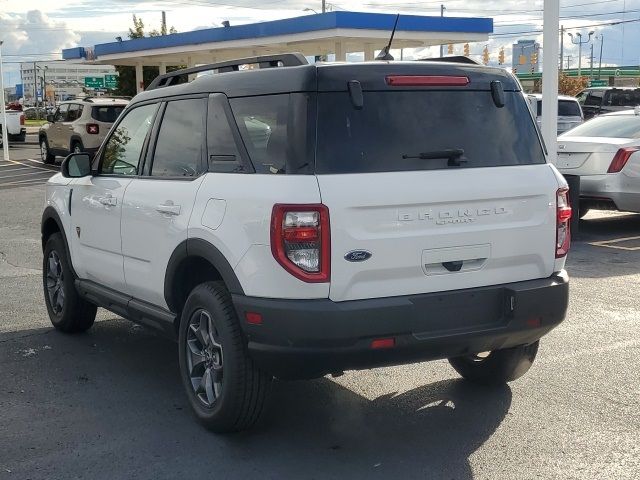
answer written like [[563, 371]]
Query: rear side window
[[180, 145], [395, 129], [277, 131], [107, 114], [568, 108], [622, 98]]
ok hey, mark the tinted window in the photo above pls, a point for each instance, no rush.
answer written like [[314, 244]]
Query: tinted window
[[75, 110], [276, 131], [594, 99], [107, 114], [614, 126], [61, 113], [123, 149], [568, 108], [394, 128], [224, 155], [622, 98], [179, 147]]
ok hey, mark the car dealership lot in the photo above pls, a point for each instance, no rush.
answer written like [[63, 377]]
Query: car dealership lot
[[108, 403]]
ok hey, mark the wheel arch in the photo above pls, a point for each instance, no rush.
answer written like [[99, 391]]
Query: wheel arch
[[192, 262], [75, 139]]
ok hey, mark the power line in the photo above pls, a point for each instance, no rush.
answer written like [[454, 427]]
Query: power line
[[505, 34]]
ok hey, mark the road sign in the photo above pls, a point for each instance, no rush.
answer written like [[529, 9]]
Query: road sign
[[111, 81], [599, 83], [94, 82]]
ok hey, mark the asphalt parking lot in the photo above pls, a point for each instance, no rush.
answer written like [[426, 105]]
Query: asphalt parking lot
[[108, 404]]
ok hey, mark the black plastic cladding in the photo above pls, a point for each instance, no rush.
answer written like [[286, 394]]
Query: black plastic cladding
[[331, 78]]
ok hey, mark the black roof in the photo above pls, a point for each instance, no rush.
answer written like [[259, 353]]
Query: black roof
[[327, 77]]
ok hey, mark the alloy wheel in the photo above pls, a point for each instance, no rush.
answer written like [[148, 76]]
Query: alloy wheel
[[204, 358], [55, 282]]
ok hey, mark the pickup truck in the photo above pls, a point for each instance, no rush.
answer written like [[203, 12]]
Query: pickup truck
[[16, 131]]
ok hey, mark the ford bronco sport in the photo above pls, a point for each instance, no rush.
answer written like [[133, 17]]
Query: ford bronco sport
[[295, 220]]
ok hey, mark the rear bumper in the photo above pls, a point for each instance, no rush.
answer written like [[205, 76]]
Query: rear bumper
[[616, 191], [309, 338], [18, 137]]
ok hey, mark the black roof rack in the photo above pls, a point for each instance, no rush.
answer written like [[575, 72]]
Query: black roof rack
[[453, 58], [265, 61]]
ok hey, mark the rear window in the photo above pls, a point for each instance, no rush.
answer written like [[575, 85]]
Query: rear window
[[106, 114], [394, 128], [568, 108], [622, 98], [614, 126]]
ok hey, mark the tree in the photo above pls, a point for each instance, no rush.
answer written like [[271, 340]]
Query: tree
[[127, 75], [571, 85]]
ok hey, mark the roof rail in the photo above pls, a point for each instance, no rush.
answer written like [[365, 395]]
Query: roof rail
[[265, 61], [454, 59], [91, 98]]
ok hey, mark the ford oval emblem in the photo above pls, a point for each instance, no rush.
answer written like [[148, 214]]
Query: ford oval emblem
[[357, 256]]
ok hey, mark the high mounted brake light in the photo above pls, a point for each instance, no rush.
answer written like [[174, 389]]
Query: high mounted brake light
[[563, 222], [426, 81], [300, 240]]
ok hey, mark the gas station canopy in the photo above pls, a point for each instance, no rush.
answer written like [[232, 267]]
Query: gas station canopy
[[336, 33]]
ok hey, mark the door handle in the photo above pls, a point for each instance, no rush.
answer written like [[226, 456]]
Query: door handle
[[169, 209], [109, 200]]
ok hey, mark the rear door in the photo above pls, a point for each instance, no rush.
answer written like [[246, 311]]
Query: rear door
[[158, 205], [445, 189]]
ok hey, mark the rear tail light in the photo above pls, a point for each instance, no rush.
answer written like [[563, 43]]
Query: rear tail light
[[426, 81], [22, 119], [300, 240], [621, 159], [563, 222], [93, 128]]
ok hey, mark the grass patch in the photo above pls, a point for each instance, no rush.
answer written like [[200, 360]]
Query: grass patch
[[34, 123]]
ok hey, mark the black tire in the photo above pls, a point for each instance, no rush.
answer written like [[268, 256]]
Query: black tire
[[45, 154], [71, 314], [76, 147], [499, 367], [238, 388]]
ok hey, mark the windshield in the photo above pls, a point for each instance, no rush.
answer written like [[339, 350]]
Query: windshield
[[614, 126], [393, 129]]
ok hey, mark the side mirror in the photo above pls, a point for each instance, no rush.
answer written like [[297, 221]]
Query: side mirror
[[50, 118], [76, 165]]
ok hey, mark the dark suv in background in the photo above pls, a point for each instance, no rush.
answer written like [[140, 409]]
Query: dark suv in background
[[598, 100]]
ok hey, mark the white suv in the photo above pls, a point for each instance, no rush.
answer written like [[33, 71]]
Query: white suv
[[296, 220]]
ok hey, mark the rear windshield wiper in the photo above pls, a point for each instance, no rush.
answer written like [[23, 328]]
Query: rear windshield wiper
[[454, 155]]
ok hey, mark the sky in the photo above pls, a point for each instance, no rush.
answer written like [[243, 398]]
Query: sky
[[40, 29]]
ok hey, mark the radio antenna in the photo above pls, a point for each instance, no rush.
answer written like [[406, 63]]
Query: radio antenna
[[384, 53]]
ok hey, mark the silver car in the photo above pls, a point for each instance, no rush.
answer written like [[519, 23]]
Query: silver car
[[569, 111], [605, 153]]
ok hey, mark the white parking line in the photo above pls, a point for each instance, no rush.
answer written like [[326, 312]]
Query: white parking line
[[22, 175], [609, 244]]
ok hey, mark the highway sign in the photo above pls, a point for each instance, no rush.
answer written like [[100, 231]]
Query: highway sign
[[94, 82], [599, 83], [111, 81]]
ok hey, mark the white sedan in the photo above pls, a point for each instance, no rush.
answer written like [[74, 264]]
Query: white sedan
[[605, 153]]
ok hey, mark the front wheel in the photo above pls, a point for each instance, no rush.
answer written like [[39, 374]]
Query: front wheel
[[68, 311], [498, 367], [227, 391], [45, 154]]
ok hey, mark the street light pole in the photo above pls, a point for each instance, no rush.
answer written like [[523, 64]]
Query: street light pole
[[600, 62], [5, 137], [579, 42]]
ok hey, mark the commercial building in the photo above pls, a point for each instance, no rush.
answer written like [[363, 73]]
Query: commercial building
[[333, 35], [59, 79]]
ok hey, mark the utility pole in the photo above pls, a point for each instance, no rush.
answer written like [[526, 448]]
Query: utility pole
[[324, 6], [5, 137], [600, 62], [442, 9], [35, 90], [591, 63], [579, 42], [568, 57], [561, 46], [163, 26]]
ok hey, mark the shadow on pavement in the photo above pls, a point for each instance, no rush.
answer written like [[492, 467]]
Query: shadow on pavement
[[109, 404]]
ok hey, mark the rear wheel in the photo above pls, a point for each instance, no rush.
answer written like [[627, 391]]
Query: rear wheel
[[226, 389], [497, 367], [45, 153], [68, 312]]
